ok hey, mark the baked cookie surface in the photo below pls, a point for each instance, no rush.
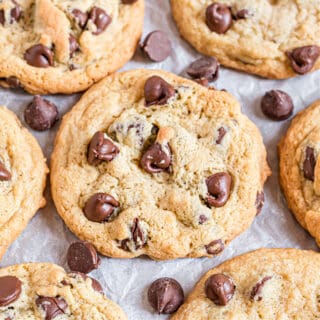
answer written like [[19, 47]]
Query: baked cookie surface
[[263, 284], [151, 163], [299, 168], [273, 39], [23, 173], [38, 291], [55, 46]]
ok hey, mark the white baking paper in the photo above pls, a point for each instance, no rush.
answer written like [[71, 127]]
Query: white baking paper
[[46, 239]]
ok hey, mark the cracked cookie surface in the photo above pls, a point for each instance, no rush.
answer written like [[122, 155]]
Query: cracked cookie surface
[[55, 46], [151, 163], [255, 36], [22, 178]]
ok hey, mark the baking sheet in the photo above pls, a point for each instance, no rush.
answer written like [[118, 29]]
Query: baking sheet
[[46, 239]]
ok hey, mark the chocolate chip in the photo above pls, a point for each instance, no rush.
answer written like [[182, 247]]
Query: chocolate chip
[[15, 13], [73, 44], [206, 67], [101, 149], [13, 82], [257, 289], [218, 18], [309, 164], [100, 207], [156, 158], [203, 81], [10, 290], [202, 219], [2, 17], [81, 17], [243, 14], [82, 257], [303, 58], [5, 175], [100, 18], [277, 105], [157, 91], [165, 295], [39, 56], [219, 288], [215, 247], [128, 1], [221, 133], [138, 238], [157, 46], [219, 185], [52, 307], [94, 283], [259, 201], [41, 114]]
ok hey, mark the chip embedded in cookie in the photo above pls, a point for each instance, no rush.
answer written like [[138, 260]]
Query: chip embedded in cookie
[[23, 173], [151, 163], [273, 39], [56, 46]]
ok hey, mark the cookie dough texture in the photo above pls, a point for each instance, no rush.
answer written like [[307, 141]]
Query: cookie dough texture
[[291, 291], [173, 216], [302, 194], [51, 22], [22, 196], [50, 280], [258, 43]]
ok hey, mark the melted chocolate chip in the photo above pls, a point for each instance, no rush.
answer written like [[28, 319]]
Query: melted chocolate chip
[[157, 91], [156, 159], [138, 238], [206, 67], [215, 247], [277, 105], [128, 1], [219, 185], [80, 17], [101, 149], [52, 307], [303, 58], [94, 283], [221, 133], [100, 207], [257, 289], [41, 114], [5, 175], [10, 290], [15, 13], [100, 18], [243, 14], [157, 46], [309, 164], [220, 289], [13, 82], [73, 44], [203, 81], [165, 295], [39, 56], [82, 257], [202, 219], [218, 18], [259, 201], [2, 17]]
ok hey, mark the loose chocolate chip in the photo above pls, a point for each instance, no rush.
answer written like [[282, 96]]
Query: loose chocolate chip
[[243, 14], [206, 67], [15, 12], [165, 295], [156, 159], [256, 290], [39, 56], [101, 149], [277, 105], [218, 18], [128, 1], [215, 247], [219, 185], [5, 175], [73, 44], [303, 58], [52, 307], [157, 91], [100, 18], [202, 219], [157, 46], [82, 257], [41, 114], [259, 201], [309, 164], [81, 17], [10, 290], [138, 237], [221, 133], [94, 283], [220, 289]]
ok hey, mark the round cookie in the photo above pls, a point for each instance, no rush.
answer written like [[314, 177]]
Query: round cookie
[[268, 38], [135, 159], [263, 284], [55, 46], [45, 291], [299, 168], [23, 173]]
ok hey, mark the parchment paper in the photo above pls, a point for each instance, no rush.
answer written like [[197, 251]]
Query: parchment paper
[[126, 281]]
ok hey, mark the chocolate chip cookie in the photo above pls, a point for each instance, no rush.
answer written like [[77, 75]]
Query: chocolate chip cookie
[[273, 39], [45, 291], [55, 46], [299, 168], [263, 284], [151, 163], [23, 173]]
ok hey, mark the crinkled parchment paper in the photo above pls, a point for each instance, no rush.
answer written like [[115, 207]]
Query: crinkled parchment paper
[[126, 281]]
